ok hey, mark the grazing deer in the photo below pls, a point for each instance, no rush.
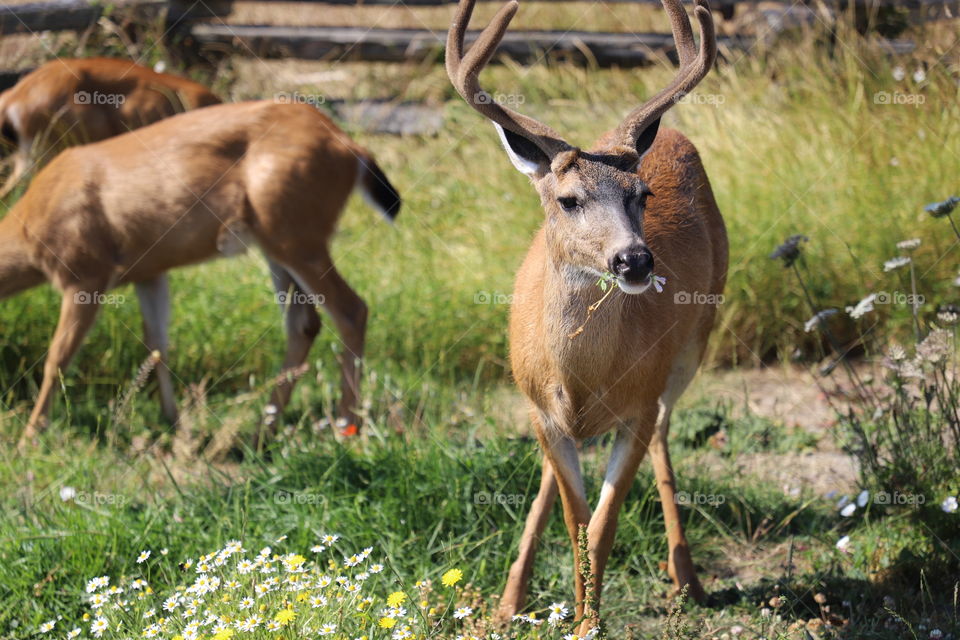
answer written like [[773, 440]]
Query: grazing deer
[[68, 102], [638, 195], [185, 189]]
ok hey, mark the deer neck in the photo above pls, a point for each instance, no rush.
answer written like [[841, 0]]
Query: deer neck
[[17, 271], [582, 343]]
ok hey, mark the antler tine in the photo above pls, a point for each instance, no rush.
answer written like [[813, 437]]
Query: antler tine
[[682, 32], [464, 72], [692, 70]]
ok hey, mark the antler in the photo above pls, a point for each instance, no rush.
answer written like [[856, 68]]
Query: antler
[[464, 71], [693, 67]]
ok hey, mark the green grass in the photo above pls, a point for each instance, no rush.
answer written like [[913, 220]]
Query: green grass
[[797, 145]]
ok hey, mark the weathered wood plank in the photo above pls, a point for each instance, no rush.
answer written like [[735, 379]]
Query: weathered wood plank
[[62, 15], [394, 45]]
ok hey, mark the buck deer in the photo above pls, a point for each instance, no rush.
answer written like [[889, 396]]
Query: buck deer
[[589, 369], [68, 102], [180, 191]]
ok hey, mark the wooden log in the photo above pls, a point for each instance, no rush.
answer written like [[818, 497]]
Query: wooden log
[[395, 45], [62, 15]]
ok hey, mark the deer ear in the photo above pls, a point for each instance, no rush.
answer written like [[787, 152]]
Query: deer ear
[[527, 157], [645, 140]]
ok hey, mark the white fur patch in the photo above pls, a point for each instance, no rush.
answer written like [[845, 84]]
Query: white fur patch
[[523, 165], [633, 289]]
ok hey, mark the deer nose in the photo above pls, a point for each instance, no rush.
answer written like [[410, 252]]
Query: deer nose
[[633, 265]]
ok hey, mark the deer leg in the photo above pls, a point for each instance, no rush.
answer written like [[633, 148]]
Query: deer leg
[[679, 562], [20, 160], [349, 313], [302, 325], [628, 450], [564, 459], [78, 310], [515, 592], [154, 297]]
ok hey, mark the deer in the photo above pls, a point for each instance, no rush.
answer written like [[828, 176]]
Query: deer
[[67, 102], [202, 184], [639, 197]]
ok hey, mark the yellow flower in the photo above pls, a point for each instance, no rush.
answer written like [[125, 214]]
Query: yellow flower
[[285, 616], [451, 577], [223, 634], [396, 598], [387, 623], [302, 597], [424, 604], [225, 598], [178, 637], [432, 612]]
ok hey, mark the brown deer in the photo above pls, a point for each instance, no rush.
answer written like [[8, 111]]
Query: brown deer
[[67, 102], [586, 368], [203, 183]]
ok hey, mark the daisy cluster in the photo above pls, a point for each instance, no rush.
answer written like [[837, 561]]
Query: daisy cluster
[[236, 594]]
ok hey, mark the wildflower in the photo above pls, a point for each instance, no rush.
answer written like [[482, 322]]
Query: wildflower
[[98, 627], [462, 612], [936, 634], [318, 601], [143, 556], [558, 611], [819, 319], [789, 251], [396, 598], [451, 577], [377, 568], [318, 548], [908, 245], [895, 263], [943, 208], [67, 494], [285, 616], [327, 629], [73, 633], [223, 634], [272, 626], [658, 282], [330, 539], [48, 626], [387, 622], [843, 544], [97, 583], [935, 347], [246, 603], [949, 505], [948, 317], [863, 307]]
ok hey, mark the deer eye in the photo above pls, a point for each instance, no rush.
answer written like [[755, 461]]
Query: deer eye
[[568, 204]]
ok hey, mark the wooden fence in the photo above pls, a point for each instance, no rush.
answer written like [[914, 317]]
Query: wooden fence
[[196, 22]]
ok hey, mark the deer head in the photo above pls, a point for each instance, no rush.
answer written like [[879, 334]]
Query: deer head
[[593, 201]]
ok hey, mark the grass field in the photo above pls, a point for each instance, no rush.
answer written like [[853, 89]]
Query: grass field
[[796, 139]]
